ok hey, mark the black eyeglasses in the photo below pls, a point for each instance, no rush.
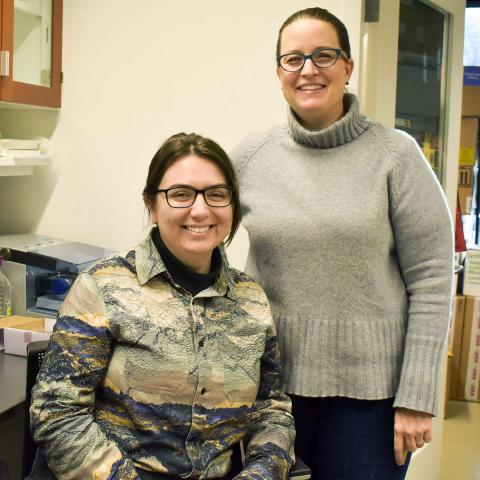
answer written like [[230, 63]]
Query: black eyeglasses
[[184, 197], [321, 58]]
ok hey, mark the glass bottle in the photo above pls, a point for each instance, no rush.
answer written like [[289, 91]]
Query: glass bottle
[[5, 294]]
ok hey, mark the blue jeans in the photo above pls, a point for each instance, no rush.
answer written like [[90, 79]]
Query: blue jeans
[[346, 439]]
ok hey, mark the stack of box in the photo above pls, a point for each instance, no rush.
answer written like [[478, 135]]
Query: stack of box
[[468, 145], [463, 374], [464, 335]]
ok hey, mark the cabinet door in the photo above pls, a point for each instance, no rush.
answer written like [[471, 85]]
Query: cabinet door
[[31, 45]]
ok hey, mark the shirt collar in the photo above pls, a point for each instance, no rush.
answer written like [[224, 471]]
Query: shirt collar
[[225, 285], [148, 262]]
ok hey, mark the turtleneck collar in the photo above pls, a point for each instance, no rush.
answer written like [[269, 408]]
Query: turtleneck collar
[[349, 127], [193, 282]]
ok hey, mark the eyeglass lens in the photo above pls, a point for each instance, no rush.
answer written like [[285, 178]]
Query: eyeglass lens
[[185, 197], [323, 58]]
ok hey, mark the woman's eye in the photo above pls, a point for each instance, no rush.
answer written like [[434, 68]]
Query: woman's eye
[[217, 195], [323, 56], [293, 59], [180, 194]]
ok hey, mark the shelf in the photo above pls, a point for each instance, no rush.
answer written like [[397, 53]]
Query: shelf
[[22, 164], [22, 106], [28, 8]]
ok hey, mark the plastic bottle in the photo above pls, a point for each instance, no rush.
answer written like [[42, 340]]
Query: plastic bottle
[[5, 294]]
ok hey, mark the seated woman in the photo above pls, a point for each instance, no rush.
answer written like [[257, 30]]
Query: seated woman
[[164, 358]]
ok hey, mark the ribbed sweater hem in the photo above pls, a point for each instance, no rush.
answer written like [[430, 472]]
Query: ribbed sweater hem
[[368, 365], [362, 362]]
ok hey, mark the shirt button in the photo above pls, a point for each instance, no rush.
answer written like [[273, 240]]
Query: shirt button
[[201, 343], [202, 391]]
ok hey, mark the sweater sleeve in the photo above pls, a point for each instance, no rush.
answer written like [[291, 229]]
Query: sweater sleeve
[[62, 410], [423, 234], [269, 454]]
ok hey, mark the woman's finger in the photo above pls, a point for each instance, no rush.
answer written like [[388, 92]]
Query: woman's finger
[[410, 443], [399, 449]]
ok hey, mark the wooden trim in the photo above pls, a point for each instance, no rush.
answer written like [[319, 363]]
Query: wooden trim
[[6, 43], [18, 92], [57, 40]]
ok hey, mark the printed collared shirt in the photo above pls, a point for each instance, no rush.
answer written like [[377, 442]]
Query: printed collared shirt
[[141, 374]]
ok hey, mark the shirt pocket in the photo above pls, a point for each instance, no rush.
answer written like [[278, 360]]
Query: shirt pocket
[[242, 363], [157, 374]]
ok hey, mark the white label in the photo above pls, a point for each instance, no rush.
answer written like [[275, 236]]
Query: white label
[[471, 279]]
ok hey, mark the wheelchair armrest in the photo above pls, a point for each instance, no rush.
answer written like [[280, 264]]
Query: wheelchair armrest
[[300, 471]]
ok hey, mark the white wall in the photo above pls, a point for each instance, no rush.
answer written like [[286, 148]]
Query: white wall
[[136, 72]]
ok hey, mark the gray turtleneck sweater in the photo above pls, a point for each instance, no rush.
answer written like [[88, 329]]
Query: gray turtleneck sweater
[[351, 237]]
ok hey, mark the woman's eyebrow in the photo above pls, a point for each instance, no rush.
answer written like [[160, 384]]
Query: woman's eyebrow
[[185, 185], [316, 48]]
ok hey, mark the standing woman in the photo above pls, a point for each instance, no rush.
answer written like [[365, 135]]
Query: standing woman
[[351, 238]]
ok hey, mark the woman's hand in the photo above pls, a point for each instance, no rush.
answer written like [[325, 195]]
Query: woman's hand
[[412, 430]]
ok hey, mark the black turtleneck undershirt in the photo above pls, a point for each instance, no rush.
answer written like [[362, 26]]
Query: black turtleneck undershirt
[[193, 282]]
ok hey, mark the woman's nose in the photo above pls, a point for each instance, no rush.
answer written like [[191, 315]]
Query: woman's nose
[[309, 67], [199, 206]]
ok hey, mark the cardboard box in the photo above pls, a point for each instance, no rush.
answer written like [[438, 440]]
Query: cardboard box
[[456, 321], [448, 383], [11, 321], [471, 101], [19, 331], [455, 334], [469, 378], [468, 142], [465, 189]]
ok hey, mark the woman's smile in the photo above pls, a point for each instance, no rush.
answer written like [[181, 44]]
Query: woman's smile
[[198, 229], [311, 87]]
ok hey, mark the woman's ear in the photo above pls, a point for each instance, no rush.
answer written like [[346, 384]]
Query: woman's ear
[[349, 69], [149, 206], [147, 201]]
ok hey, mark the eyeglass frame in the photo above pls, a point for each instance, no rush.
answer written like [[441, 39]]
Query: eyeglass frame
[[338, 51], [197, 191]]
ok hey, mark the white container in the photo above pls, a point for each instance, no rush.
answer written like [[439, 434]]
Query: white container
[[16, 338]]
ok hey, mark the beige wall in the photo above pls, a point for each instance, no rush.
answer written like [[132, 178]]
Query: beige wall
[[134, 73]]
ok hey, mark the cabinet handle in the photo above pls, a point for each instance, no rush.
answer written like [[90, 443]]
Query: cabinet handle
[[5, 63]]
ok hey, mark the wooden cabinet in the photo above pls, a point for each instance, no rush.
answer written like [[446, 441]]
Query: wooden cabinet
[[31, 52]]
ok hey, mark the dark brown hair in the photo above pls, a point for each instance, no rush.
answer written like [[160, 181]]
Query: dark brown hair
[[325, 16], [182, 145]]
